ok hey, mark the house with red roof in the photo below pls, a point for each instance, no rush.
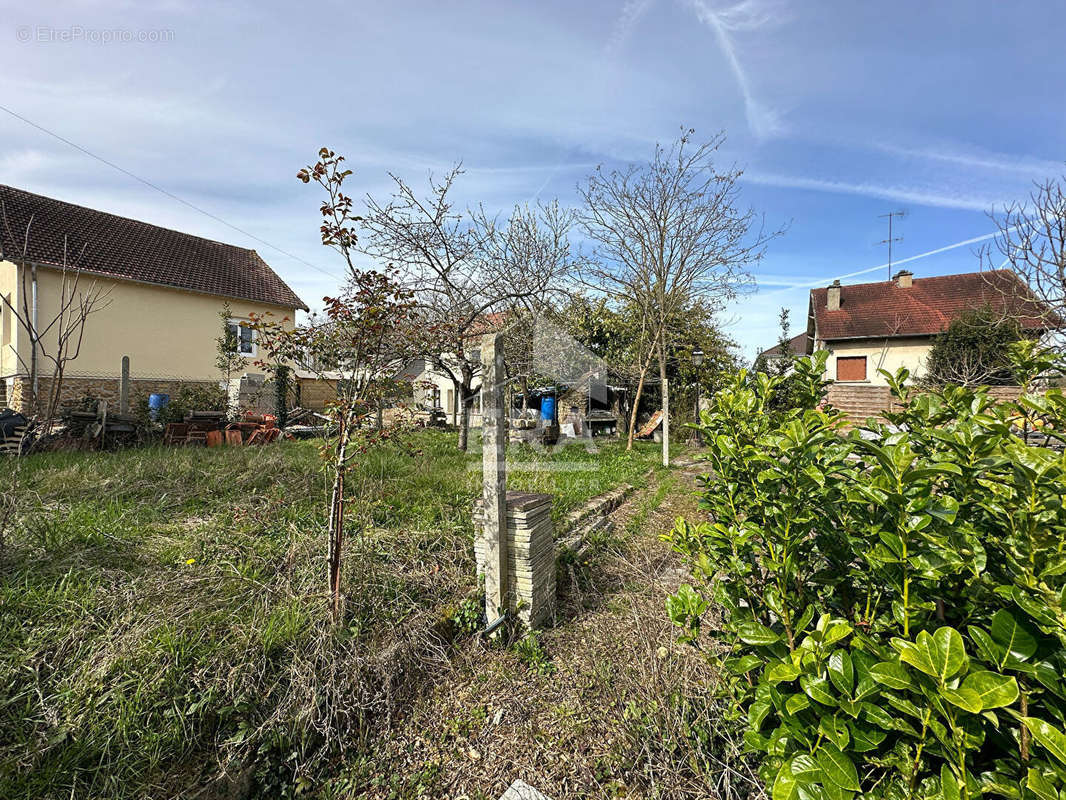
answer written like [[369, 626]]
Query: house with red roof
[[795, 347], [161, 292], [886, 325]]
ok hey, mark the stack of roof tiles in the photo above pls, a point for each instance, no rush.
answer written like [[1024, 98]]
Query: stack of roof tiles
[[530, 555]]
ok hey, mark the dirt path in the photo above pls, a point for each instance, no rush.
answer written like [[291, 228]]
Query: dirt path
[[593, 708]]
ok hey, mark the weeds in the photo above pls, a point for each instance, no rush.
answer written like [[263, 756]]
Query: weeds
[[531, 652], [163, 624], [469, 615]]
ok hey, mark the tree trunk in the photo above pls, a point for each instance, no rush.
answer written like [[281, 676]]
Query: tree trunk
[[666, 404], [633, 410], [464, 416], [336, 514], [34, 344]]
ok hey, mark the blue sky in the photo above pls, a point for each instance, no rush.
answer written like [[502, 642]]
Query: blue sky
[[837, 111]]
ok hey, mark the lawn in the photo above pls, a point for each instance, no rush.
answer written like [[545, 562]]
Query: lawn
[[162, 618]]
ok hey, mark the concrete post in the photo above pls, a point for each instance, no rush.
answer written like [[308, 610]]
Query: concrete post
[[494, 468], [124, 387], [666, 422]]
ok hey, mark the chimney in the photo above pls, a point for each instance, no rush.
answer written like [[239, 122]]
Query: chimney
[[903, 278], [832, 298]]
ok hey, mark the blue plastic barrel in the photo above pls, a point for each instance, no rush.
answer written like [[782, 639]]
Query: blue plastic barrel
[[156, 402], [547, 409]]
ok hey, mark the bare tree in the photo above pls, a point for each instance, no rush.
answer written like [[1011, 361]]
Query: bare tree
[[670, 233], [1032, 243], [55, 340], [534, 242], [466, 270]]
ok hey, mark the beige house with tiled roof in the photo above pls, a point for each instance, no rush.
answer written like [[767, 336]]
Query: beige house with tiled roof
[[891, 324], [164, 291]]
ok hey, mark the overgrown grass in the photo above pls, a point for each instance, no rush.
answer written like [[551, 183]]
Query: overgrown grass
[[575, 472], [163, 625]]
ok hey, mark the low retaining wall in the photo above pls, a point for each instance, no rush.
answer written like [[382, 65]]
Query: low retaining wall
[[588, 519]]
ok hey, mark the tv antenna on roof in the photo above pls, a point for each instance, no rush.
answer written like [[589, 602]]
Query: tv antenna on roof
[[890, 240]]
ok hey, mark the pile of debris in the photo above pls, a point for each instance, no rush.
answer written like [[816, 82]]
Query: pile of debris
[[209, 429], [100, 428], [85, 429], [82, 428], [13, 427], [303, 423]]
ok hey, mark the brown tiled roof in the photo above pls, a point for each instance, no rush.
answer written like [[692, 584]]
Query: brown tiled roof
[[488, 323], [126, 248], [924, 308], [797, 346]]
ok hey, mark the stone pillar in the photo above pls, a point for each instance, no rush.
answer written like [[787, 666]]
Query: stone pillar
[[124, 387], [493, 532]]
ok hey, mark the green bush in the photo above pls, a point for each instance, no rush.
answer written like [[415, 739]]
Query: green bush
[[974, 350], [894, 606]]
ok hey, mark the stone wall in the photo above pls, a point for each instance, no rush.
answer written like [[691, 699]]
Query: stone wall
[[103, 388], [314, 394]]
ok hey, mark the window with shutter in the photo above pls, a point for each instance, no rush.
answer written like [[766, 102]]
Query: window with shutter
[[851, 368]]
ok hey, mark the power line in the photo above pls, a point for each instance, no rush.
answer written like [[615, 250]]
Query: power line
[[171, 195]]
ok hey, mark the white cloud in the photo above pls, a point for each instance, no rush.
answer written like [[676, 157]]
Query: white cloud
[[748, 15], [20, 164], [977, 158], [625, 25], [903, 194]]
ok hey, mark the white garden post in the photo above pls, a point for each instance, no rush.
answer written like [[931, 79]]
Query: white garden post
[[666, 422], [494, 469]]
